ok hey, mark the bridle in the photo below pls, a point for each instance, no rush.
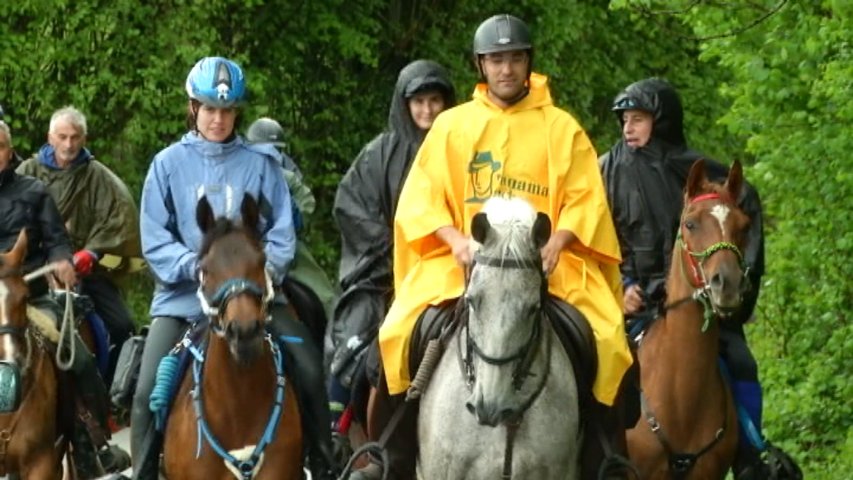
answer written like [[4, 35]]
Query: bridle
[[215, 305], [526, 353], [693, 269]]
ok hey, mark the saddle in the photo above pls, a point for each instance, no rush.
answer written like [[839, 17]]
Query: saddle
[[308, 308], [569, 324]]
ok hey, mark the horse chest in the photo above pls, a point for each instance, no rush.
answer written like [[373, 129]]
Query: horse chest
[[453, 445]]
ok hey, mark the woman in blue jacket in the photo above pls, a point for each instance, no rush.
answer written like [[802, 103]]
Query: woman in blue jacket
[[212, 160]]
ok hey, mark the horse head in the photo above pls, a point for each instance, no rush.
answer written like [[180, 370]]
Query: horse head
[[504, 299], [13, 303], [234, 287], [712, 236]]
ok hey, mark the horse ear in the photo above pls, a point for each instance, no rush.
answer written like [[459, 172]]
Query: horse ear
[[251, 213], [695, 178], [541, 230], [15, 257], [734, 183], [204, 215], [480, 227]]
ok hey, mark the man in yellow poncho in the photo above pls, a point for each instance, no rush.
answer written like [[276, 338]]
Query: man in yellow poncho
[[509, 140]]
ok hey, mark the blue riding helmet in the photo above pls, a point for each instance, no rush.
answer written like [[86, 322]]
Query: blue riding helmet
[[217, 82]]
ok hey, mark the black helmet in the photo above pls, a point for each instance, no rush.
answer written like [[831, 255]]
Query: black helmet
[[266, 130], [501, 33]]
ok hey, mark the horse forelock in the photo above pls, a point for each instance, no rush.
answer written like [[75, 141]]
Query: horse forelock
[[510, 236], [709, 187], [222, 228]]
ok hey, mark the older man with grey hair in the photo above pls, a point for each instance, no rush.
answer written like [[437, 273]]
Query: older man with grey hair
[[25, 201], [100, 215]]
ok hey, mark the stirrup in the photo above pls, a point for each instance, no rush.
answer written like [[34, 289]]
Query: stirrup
[[114, 459], [771, 464], [372, 471]]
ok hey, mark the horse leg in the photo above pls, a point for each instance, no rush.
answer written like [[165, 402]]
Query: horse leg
[[44, 466], [401, 445]]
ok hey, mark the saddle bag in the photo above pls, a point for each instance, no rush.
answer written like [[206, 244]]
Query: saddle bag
[[127, 371]]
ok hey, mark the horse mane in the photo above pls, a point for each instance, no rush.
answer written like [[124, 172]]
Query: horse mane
[[222, 227], [511, 221]]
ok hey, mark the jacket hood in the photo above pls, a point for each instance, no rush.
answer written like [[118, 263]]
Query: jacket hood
[[47, 157], [211, 149], [658, 97], [538, 95], [416, 77]]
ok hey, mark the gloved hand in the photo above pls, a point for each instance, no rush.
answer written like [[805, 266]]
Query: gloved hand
[[84, 261]]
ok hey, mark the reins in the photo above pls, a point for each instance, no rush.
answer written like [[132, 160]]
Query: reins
[[68, 328]]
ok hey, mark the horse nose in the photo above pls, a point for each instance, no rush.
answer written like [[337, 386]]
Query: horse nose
[[718, 281], [726, 288], [244, 330], [487, 413]]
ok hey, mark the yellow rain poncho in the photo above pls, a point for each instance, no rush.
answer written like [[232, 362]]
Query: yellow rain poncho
[[531, 150]]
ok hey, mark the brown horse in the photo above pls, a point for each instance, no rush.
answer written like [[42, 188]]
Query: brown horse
[[234, 414], [29, 434], [688, 425]]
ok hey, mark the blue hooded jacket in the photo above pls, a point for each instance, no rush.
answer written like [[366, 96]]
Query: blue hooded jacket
[[179, 175]]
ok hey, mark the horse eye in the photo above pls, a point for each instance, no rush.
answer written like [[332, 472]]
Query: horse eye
[[690, 225]]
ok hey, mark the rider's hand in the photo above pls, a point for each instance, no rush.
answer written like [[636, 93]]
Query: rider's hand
[[558, 242], [85, 261], [459, 244], [632, 300], [64, 274]]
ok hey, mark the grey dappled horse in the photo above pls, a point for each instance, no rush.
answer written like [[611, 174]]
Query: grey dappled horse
[[503, 399]]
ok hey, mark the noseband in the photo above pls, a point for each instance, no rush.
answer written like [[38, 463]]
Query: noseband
[[215, 305]]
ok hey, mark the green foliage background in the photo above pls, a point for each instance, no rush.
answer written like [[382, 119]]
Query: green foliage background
[[772, 92]]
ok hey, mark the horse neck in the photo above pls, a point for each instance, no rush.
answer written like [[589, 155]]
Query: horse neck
[[677, 341]]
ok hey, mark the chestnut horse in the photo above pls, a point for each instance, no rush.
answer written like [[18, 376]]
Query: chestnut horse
[[688, 426], [30, 442], [235, 415]]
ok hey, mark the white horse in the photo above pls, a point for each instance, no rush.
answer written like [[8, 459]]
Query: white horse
[[503, 400]]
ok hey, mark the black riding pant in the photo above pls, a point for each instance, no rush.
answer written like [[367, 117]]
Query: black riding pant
[[111, 307], [735, 353], [163, 334]]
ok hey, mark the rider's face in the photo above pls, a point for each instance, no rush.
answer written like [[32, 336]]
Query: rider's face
[[637, 127], [506, 74], [424, 107], [215, 124], [67, 140]]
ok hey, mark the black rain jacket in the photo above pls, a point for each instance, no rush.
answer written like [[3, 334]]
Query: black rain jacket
[[364, 208], [26, 203], [645, 192]]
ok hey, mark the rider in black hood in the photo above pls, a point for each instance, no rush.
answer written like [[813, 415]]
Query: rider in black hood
[[644, 174], [364, 211], [644, 187]]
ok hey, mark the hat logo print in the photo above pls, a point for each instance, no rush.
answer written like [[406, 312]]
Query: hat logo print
[[223, 81]]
